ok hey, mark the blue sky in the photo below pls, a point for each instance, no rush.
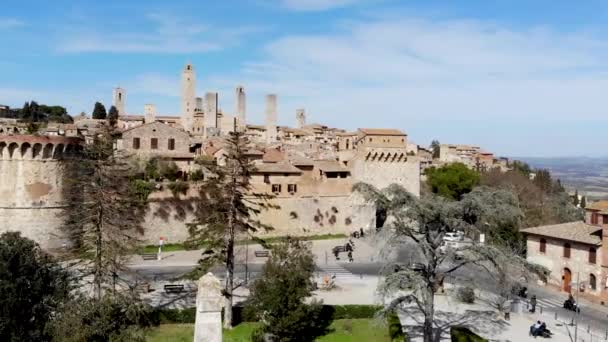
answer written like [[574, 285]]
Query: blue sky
[[520, 78]]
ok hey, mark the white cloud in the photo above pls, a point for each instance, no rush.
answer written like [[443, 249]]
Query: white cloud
[[169, 35], [315, 5], [399, 73], [10, 23]]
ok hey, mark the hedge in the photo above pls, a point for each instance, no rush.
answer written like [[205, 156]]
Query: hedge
[[170, 316], [462, 334], [395, 330]]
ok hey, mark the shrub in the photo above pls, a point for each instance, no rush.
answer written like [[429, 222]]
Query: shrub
[[466, 294], [197, 175], [178, 188], [395, 330]]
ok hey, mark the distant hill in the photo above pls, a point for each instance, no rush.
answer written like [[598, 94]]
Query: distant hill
[[588, 175]]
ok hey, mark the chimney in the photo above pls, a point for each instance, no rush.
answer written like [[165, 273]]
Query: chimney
[[271, 118]]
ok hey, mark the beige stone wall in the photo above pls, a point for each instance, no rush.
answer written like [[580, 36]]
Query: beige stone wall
[[162, 133], [578, 262], [382, 173]]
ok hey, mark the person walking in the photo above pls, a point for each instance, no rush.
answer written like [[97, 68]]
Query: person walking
[[350, 256], [533, 304]]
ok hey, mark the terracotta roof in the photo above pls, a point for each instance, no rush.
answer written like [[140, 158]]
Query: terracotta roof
[[131, 117], [346, 134], [330, 166], [381, 131], [272, 155], [572, 231], [301, 161], [599, 205], [282, 167], [258, 127]]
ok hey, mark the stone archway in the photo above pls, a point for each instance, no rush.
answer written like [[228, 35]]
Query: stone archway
[[567, 280]]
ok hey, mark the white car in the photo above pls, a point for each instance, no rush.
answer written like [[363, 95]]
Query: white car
[[455, 236]]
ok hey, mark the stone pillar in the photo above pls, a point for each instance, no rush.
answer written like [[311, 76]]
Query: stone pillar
[[208, 324], [300, 118], [211, 114], [149, 113], [271, 118], [241, 106]]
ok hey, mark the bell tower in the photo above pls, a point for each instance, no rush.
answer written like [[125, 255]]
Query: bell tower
[[188, 96]]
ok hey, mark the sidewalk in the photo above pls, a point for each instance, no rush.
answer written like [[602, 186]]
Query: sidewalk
[[321, 249]]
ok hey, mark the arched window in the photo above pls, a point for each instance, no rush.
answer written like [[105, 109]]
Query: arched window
[[567, 250], [543, 246], [592, 255], [592, 282]]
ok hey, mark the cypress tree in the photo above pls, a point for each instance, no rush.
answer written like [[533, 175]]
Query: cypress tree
[[99, 111]]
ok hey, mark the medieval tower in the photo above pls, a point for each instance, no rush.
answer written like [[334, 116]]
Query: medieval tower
[[271, 118], [241, 108], [300, 118], [118, 100], [188, 97], [211, 127]]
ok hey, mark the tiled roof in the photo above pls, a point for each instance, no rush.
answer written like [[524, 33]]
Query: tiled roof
[[276, 168], [572, 231], [381, 131], [272, 155], [330, 166], [599, 205]]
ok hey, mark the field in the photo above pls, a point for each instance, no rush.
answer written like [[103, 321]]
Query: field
[[342, 330]]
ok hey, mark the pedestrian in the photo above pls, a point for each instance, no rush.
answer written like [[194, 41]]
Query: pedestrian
[[361, 234], [350, 256], [533, 304]]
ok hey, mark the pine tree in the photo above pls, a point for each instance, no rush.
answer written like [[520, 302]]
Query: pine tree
[[583, 202], [103, 215], [435, 147], [575, 199], [226, 208], [113, 116], [99, 111]]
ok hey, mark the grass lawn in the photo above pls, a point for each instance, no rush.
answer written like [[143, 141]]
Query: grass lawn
[[343, 330], [171, 247]]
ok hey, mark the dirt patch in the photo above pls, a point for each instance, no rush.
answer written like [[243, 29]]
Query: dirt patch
[[37, 190]]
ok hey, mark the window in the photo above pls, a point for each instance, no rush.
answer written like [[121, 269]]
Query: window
[[567, 250], [136, 143], [592, 255], [171, 145], [267, 178], [292, 188], [594, 218], [543, 246], [276, 188], [370, 139], [592, 282], [605, 219], [154, 143]]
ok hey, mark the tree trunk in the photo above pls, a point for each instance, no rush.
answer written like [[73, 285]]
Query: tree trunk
[[229, 284], [98, 256], [429, 308]]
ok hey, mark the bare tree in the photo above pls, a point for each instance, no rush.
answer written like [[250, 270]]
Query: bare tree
[[103, 216], [422, 223], [225, 208]]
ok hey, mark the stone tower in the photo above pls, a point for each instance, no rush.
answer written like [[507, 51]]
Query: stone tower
[[118, 100], [300, 118], [199, 105], [211, 114], [149, 113], [271, 118], [241, 106], [188, 96]]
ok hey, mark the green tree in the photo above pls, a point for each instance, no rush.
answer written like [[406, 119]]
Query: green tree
[[583, 202], [452, 180], [575, 199], [32, 287], [419, 225], [113, 116], [104, 212], [278, 297], [115, 318], [99, 111], [226, 207], [435, 147]]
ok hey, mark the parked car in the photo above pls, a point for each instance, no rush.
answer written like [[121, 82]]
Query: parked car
[[454, 236]]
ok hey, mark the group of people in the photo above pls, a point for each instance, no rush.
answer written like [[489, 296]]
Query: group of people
[[539, 329], [357, 234]]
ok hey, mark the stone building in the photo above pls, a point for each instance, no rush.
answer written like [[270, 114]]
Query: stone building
[[31, 185], [574, 252]]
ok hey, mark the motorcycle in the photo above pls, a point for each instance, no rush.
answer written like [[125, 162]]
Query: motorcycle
[[571, 305]]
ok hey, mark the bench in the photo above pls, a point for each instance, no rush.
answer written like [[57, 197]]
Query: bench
[[338, 249], [174, 288], [149, 256], [262, 254]]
